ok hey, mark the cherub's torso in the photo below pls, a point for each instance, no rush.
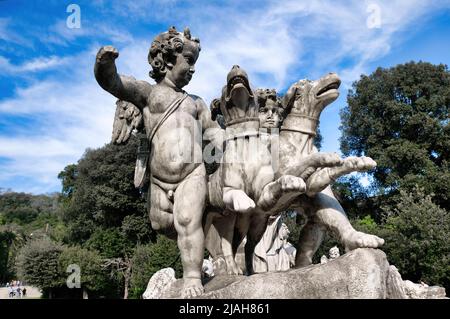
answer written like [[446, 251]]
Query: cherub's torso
[[175, 151]]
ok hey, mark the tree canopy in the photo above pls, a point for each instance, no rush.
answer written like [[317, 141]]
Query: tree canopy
[[400, 117]]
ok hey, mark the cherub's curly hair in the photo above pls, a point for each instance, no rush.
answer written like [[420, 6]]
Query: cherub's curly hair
[[165, 48]]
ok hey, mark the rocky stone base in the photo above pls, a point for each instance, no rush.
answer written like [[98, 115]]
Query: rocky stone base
[[359, 274]]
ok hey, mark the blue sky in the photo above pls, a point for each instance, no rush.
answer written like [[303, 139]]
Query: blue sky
[[51, 108]]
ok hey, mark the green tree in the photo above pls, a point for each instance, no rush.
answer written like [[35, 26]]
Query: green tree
[[68, 177], [400, 118], [38, 265], [103, 210], [417, 234], [150, 258], [101, 191], [7, 240], [94, 278], [110, 243]]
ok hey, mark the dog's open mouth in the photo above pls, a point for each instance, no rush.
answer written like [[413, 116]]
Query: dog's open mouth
[[238, 80], [334, 86], [238, 83]]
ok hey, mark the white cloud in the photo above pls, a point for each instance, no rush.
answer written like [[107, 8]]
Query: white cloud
[[60, 34], [8, 35], [37, 64]]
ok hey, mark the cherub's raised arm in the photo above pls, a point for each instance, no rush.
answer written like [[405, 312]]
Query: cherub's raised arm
[[123, 87]]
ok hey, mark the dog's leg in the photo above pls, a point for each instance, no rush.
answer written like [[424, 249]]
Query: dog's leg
[[321, 178], [256, 230], [226, 232], [282, 191], [311, 237]]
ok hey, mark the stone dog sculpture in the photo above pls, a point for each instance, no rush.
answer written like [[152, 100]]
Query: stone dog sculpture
[[303, 104], [317, 169], [244, 183], [298, 158]]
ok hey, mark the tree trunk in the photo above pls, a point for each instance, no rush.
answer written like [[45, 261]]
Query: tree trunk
[[127, 276], [85, 294]]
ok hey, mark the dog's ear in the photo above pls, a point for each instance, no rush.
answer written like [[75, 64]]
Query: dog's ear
[[215, 109]]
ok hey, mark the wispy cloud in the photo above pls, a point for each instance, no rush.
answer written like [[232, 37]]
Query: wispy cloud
[[35, 65], [60, 34], [7, 34]]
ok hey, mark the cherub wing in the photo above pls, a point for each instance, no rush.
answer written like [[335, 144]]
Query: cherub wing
[[127, 120]]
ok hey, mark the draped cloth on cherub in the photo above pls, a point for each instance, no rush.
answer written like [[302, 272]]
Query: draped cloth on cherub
[[142, 170]]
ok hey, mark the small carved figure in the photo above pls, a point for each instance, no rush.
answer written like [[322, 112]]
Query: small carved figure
[[333, 253]]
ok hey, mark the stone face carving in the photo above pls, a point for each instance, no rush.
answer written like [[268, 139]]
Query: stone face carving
[[334, 252], [246, 189], [160, 280]]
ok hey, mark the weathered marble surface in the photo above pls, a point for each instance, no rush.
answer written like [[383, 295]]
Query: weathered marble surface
[[363, 273], [158, 283]]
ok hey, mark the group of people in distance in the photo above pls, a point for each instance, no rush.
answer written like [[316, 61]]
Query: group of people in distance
[[15, 290]]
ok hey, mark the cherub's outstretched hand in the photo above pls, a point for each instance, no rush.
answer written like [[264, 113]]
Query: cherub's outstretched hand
[[107, 54]]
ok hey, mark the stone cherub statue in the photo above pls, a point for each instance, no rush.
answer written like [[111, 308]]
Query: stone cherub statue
[[169, 117]]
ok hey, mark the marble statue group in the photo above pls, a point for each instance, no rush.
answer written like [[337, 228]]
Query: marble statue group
[[262, 144]]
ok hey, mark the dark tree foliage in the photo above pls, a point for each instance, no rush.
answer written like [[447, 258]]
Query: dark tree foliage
[[68, 177], [94, 277], [400, 118], [7, 239], [102, 193], [22, 217], [38, 264], [148, 259], [110, 243], [417, 233], [22, 208], [318, 139]]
